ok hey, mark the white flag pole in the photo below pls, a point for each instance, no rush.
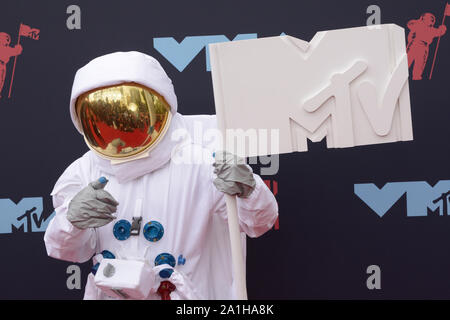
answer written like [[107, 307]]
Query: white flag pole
[[237, 255]]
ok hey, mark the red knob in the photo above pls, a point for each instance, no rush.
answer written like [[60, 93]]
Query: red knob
[[165, 288]]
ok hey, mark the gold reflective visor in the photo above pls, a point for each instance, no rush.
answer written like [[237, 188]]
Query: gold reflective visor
[[123, 120]]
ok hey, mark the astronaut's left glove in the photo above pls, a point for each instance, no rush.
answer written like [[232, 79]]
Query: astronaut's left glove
[[234, 176]]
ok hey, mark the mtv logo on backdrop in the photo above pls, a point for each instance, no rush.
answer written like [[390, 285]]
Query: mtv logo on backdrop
[[422, 199], [348, 85], [26, 215]]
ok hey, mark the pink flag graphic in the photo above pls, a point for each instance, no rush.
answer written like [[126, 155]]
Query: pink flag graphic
[[27, 31], [447, 9]]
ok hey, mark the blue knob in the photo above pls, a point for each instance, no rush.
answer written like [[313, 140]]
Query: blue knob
[[153, 231], [122, 229], [165, 273], [165, 258], [181, 260], [95, 268], [108, 254]]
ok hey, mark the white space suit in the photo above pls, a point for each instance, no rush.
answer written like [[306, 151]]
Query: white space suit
[[181, 196]]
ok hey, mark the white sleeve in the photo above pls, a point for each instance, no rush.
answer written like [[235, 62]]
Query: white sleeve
[[257, 213], [63, 240]]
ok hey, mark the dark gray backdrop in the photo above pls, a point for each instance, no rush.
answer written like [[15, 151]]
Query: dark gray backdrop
[[327, 236]]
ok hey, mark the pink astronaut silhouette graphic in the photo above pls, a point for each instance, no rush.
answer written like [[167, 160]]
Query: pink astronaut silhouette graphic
[[7, 52], [422, 33]]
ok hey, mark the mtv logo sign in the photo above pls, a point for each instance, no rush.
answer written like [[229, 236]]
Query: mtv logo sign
[[348, 85], [25, 215]]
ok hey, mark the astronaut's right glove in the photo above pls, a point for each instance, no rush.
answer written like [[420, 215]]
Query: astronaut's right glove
[[92, 207], [234, 177]]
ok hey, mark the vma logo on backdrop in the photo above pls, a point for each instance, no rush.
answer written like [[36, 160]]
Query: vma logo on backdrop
[[180, 54], [422, 199], [25, 216]]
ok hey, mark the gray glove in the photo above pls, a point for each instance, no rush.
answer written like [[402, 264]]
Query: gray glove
[[92, 207], [234, 177]]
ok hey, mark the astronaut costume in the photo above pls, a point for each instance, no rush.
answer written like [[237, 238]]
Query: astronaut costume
[[177, 217]]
